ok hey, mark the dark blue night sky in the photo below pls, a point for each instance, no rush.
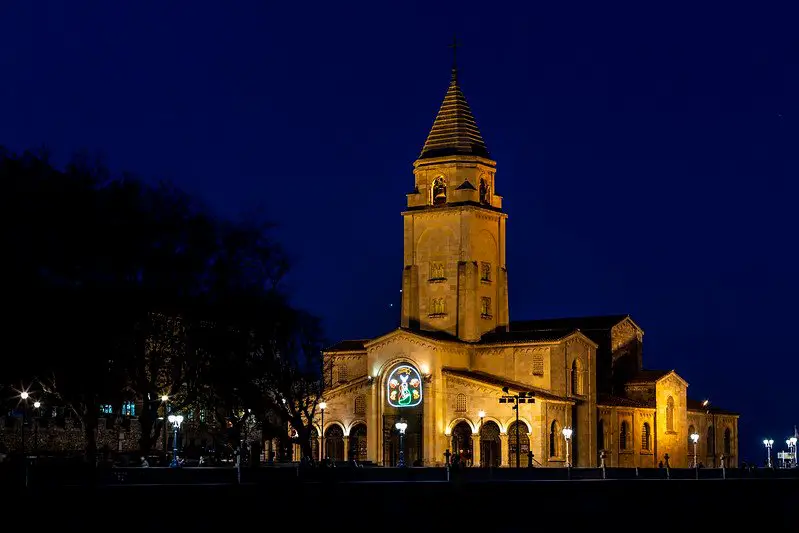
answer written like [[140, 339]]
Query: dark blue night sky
[[647, 157]]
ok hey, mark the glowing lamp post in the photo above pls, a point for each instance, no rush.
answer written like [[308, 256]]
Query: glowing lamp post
[[695, 439], [36, 405], [768, 443], [567, 434], [401, 427], [322, 407], [176, 421]]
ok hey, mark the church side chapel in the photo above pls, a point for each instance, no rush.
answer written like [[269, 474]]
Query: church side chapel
[[457, 354]]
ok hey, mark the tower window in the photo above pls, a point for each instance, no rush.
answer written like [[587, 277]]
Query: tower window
[[485, 192], [439, 191], [437, 270], [437, 307], [485, 271], [485, 307]]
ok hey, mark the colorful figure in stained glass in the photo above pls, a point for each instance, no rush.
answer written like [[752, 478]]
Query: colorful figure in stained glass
[[404, 387]]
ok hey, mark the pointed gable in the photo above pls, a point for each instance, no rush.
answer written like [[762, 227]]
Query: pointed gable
[[454, 131]]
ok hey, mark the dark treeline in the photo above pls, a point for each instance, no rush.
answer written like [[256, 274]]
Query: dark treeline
[[116, 289]]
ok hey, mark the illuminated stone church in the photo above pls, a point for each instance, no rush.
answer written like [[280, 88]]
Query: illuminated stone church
[[456, 352]]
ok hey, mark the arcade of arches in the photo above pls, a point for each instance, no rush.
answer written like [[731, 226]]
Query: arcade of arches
[[442, 371]]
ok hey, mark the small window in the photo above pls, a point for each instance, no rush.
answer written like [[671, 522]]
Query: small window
[[727, 442], [645, 434], [485, 307], [107, 409], [360, 405], [437, 270], [485, 271], [538, 364], [460, 403]]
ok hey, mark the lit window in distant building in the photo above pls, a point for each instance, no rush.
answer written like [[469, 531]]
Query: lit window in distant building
[[107, 409], [128, 409]]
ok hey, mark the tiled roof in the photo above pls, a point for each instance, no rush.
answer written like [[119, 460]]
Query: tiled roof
[[619, 401], [490, 379], [583, 323], [648, 376], [499, 336], [348, 346], [696, 405], [454, 131]]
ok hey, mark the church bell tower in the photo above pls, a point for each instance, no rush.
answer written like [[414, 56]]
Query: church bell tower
[[455, 278]]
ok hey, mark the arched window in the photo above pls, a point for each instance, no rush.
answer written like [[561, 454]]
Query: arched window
[[437, 306], [360, 405], [601, 443], [343, 374], [439, 191], [554, 440], [645, 435], [711, 441], [460, 403], [624, 432], [727, 442], [577, 382], [485, 192], [670, 414]]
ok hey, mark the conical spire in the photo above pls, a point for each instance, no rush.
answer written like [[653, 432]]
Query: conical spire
[[454, 131]]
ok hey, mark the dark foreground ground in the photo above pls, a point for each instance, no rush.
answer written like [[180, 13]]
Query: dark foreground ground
[[503, 506]]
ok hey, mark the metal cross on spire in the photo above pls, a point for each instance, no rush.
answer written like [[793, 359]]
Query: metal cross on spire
[[454, 47]]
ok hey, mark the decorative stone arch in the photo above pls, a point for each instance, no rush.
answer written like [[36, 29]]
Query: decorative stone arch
[[502, 428], [329, 424], [456, 421], [522, 420], [438, 186], [357, 421]]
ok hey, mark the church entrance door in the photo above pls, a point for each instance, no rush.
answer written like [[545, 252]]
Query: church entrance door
[[490, 445], [334, 443], [412, 440], [462, 443], [523, 445]]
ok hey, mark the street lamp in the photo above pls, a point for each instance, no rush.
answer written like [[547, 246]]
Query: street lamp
[[322, 407], [176, 421], [24, 396], [695, 439], [165, 401], [768, 443], [567, 434], [401, 427], [36, 405]]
